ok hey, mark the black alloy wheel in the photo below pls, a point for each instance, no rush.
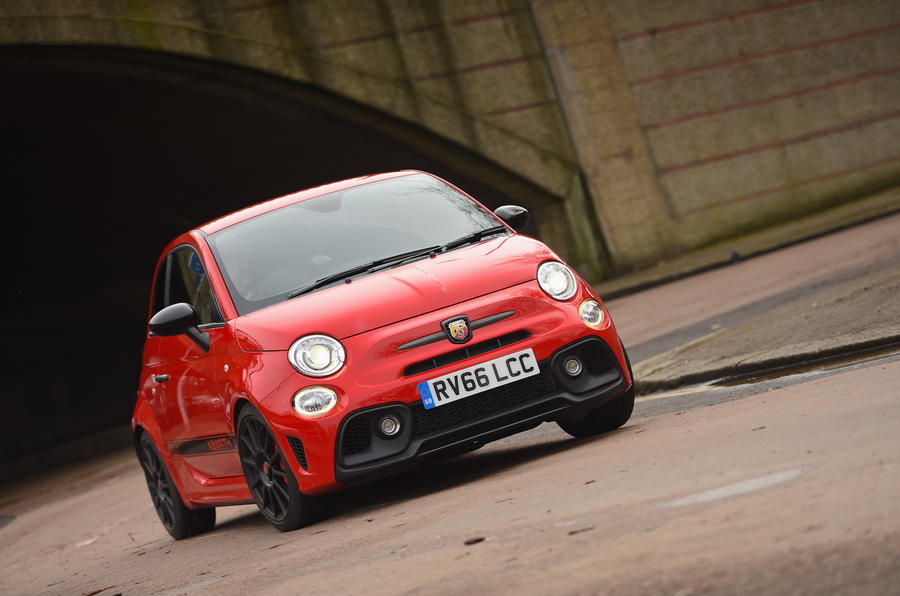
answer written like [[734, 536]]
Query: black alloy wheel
[[268, 474], [176, 518]]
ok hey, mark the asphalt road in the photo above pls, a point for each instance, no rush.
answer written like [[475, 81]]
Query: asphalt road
[[783, 486]]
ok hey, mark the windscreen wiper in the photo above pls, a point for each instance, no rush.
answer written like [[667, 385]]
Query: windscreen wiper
[[364, 268], [379, 263], [473, 237]]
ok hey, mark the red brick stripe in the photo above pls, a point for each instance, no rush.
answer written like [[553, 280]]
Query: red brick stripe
[[486, 17], [782, 143], [521, 108], [389, 34], [711, 20], [774, 98], [477, 67], [355, 41], [248, 8], [764, 55], [253, 7], [868, 166]]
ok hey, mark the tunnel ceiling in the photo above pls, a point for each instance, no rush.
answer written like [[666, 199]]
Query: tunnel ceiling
[[107, 155]]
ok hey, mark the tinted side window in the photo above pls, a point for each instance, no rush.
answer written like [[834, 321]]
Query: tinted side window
[[187, 282]]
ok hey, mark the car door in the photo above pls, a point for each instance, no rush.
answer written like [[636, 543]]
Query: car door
[[187, 379]]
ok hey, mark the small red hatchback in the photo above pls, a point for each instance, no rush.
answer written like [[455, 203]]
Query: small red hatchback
[[345, 332]]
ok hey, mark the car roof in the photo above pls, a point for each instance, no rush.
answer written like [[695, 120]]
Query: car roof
[[266, 206]]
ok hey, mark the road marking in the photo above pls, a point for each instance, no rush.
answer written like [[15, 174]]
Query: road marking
[[676, 392], [738, 488], [87, 541]]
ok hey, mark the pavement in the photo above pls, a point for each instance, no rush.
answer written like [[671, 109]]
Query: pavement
[[829, 298]]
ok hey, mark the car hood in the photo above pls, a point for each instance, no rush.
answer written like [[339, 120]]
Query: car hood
[[396, 294]]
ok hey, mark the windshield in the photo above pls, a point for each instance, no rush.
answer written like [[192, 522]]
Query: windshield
[[264, 258]]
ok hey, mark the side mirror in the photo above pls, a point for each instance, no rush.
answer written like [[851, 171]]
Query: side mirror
[[514, 216], [179, 319]]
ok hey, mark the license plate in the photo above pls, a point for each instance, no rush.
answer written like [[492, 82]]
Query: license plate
[[475, 379]]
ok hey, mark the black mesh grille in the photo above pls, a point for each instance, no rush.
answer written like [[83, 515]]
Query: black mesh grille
[[600, 366], [297, 447], [471, 351], [481, 405], [595, 356], [357, 436]]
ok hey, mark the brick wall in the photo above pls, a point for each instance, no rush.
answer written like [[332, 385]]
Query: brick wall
[[729, 115]]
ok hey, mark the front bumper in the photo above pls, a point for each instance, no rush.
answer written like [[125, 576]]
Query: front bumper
[[382, 372], [363, 454]]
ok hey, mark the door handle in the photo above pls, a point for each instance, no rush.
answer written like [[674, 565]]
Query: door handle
[[160, 378]]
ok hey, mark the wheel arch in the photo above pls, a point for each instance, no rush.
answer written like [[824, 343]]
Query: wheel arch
[[136, 436], [144, 421], [239, 404]]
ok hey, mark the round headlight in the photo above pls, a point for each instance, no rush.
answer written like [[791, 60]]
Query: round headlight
[[591, 313], [316, 355], [314, 401], [557, 280]]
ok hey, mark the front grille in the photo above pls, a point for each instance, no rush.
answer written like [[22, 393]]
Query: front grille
[[356, 437], [481, 405], [470, 351], [300, 453], [481, 417]]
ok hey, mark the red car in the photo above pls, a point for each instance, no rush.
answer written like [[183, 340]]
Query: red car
[[335, 335]]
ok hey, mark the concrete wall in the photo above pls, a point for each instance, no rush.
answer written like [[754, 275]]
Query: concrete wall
[[648, 127], [697, 120]]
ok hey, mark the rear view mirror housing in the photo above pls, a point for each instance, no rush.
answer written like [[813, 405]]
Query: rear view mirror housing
[[179, 319], [514, 216]]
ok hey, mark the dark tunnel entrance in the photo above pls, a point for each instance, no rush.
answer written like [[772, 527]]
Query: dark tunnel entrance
[[107, 155]]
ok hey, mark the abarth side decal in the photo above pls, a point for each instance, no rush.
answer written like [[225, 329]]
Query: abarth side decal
[[206, 445]]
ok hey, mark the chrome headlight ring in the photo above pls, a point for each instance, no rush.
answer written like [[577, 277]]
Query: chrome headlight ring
[[317, 355], [557, 280]]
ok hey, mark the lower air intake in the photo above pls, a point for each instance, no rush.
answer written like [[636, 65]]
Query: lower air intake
[[300, 453]]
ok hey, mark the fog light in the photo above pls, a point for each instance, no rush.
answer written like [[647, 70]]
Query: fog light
[[573, 366], [390, 426], [591, 313], [314, 401]]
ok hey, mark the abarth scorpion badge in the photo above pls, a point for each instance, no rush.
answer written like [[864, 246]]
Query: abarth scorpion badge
[[457, 329]]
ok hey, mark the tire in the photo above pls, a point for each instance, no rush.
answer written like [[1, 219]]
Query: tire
[[268, 474], [176, 518], [607, 417]]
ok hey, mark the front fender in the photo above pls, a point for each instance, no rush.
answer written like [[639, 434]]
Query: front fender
[[253, 377]]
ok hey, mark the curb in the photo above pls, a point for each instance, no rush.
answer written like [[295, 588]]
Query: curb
[[784, 364], [739, 249]]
